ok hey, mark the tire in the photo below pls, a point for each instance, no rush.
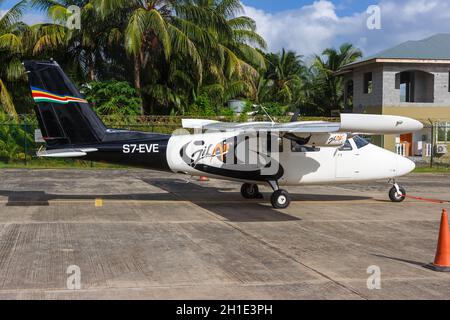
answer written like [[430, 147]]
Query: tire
[[280, 199], [395, 197], [250, 191]]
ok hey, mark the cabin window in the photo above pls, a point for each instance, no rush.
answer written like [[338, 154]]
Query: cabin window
[[347, 146], [296, 147], [360, 142], [280, 145], [443, 132], [271, 137], [368, 83]]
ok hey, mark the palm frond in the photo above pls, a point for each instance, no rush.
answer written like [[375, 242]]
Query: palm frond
[[11, 42], [6, 101], [13, 15], [184, 46], [141, 22]]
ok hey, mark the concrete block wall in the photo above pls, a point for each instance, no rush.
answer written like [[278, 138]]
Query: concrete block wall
[[368, 100], [391, 92]]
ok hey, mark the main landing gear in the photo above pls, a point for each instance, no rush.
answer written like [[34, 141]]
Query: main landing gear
[[397, 193], [280, 199], [251, 191]]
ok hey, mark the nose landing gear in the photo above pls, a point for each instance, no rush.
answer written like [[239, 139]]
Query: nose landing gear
[[280, 199], [397, 193]]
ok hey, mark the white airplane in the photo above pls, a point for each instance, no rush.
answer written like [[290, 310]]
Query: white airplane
[[290, 154]]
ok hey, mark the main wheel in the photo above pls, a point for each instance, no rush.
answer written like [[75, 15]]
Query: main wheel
[[280, 199], [250, 191], [395, 196]]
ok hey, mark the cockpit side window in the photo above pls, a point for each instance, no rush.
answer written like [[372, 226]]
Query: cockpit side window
[[360, 142], [296, 147], [347, 146]]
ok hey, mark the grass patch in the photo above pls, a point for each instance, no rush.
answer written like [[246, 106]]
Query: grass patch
[[432, 170]]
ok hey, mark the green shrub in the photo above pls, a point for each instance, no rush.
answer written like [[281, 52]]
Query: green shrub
[[113, 98], [16, 140], [202, 107]]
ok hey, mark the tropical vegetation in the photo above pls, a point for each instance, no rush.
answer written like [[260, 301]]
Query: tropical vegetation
[[166, 57]]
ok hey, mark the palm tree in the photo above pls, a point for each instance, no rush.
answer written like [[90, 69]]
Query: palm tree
[[12, 46], [285, 70], [326, 67], [179, 45], [154, 30], [235, 62], [173, 50], [86, 50]]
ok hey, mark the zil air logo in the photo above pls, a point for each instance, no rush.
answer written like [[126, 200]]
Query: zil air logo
[[219, 151], [140, 148], [337, 139]]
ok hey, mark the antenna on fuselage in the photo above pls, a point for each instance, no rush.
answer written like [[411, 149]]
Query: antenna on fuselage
[[265, 111]]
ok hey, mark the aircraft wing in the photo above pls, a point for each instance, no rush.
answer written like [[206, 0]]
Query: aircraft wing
[[350, 123], [64, 153], [300, 127]]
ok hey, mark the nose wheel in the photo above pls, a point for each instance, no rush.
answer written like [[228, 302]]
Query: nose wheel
[[280, 199], [397, 193]]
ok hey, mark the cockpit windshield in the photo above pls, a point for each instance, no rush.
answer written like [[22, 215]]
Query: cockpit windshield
[[360, 142]]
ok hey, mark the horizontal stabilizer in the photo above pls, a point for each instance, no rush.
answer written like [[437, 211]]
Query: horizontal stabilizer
[[64, 153]]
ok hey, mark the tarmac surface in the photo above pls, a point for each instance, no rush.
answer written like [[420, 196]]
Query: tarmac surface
[[145, 235]]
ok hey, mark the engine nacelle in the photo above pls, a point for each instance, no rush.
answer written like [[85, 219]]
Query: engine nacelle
[[319, 139]]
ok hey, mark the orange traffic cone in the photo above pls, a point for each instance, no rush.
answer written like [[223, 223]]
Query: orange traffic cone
[[203, 179], [442, 262]]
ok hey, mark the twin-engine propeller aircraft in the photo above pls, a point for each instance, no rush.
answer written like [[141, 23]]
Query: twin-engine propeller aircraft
[[296, 153]]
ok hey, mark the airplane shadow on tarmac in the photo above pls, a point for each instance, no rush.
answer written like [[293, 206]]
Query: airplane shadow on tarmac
[[220, 201]]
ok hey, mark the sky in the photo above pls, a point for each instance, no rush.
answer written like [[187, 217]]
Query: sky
[[343, 6], [310, 26]]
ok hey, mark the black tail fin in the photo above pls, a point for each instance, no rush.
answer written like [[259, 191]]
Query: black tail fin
[[64, 117]]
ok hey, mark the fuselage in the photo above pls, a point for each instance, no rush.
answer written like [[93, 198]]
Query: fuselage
[[256, 159]]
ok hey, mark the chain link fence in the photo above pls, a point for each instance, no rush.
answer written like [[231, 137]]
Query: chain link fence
[[428, 148], [20, 141]]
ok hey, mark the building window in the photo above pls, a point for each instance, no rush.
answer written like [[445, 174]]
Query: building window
[[443, 132], [406, 94], [368, 83], [349, 94], [415, 86]]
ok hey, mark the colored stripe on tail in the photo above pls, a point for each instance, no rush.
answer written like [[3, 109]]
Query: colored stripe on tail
[[41, 95]]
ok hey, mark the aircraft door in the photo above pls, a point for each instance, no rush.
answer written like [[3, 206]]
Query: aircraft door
[[347, 161]]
